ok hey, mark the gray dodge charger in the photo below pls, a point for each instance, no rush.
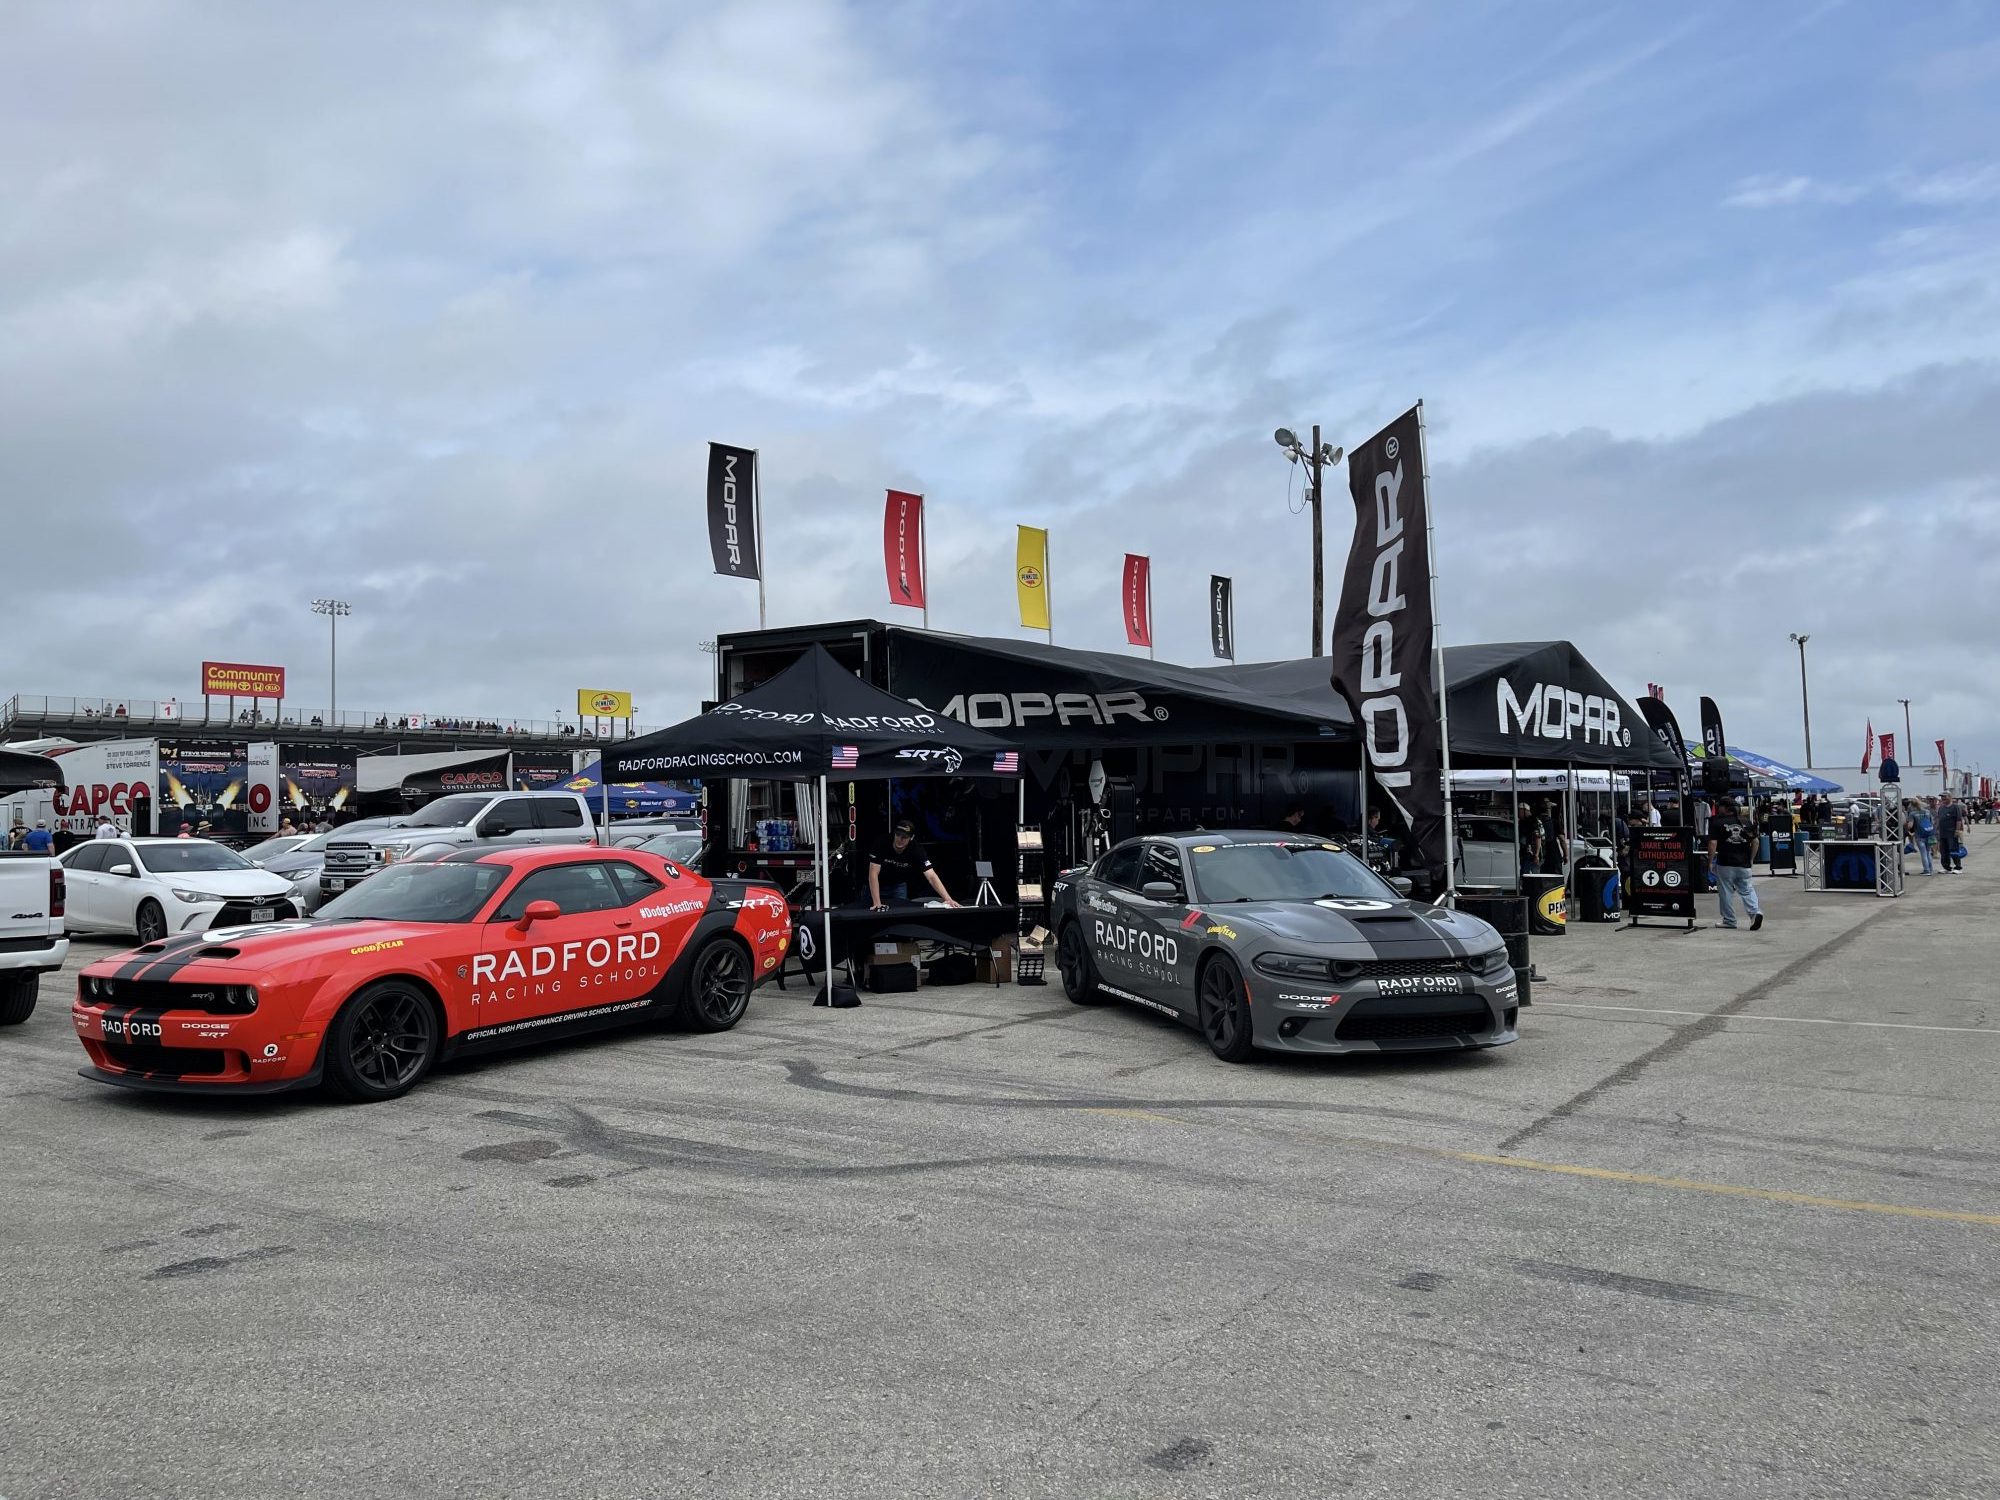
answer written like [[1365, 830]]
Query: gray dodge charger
[[1281, 942]]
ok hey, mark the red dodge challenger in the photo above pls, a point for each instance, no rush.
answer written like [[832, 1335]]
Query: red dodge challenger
[[478, 951]]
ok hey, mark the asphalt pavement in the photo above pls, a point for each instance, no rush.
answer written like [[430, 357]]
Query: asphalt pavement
[[1725, 1222]]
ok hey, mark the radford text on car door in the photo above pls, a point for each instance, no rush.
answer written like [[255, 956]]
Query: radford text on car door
[[482, 949], [1282, 943]]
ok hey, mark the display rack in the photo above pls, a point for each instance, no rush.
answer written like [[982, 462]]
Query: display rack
[[1034, 904]]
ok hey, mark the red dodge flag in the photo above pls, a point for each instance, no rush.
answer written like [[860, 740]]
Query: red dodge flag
[[903, 548], [1138, 599]]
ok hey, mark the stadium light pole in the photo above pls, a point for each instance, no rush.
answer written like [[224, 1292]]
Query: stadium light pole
[[1909, 740], [1805, 698], [333, 609], [1319, 456]]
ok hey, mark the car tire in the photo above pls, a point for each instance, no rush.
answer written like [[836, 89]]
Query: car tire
[[1222, 1009], [718, 988], [18, 993], [382, 1043], [151, 923], [1078, 970]]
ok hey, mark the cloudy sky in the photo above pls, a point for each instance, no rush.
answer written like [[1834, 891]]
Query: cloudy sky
[[434, 308]]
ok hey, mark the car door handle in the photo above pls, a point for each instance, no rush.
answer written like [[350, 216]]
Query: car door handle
[[621, 924]]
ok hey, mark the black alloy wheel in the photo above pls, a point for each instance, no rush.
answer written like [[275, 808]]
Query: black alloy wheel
[[382, 1042], [1224, 1010], [718, 986], [152, 923], [1079, 975]]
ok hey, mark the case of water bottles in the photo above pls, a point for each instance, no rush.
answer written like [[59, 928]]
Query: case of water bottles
[[777, 835]]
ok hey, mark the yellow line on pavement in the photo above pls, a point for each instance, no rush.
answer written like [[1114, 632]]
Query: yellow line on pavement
[[1724, 1189]]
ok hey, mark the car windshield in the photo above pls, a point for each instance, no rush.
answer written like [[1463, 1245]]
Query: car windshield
[[418, 893], [272, 848], [447, 812], [679, 847], [190, 854], [1282, 871]]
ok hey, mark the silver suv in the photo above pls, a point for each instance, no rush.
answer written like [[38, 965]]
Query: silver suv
[[464, 820]]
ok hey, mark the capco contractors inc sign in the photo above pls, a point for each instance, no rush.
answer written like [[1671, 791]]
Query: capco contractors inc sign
[[599, 703], [235, 679]]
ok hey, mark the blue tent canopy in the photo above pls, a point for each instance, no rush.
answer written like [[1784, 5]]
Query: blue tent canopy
[[653, 798], [1789, 777]]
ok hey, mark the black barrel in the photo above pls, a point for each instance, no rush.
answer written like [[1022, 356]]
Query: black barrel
[[1548, 904], [1595, 898], [1508, 916]]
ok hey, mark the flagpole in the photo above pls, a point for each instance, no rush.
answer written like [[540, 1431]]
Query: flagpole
[[924, 562], [1049, 584], [1149, 609], [1437, 654], [757, 514]]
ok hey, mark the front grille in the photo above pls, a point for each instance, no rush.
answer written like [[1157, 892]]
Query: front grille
[[179, 1062], [166, 994], [351, 859], [1410, 968], [238, 913], [1411, 1021]]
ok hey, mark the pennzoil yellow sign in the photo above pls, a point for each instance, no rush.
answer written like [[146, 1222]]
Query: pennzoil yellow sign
[[597, 703]]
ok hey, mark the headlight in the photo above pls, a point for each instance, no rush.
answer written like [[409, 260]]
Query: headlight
[[392, 852], [195, 898], [1293, 966], [1492, 964]]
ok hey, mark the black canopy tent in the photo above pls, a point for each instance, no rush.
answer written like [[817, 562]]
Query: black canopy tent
[[1509, 703], [812, 721]]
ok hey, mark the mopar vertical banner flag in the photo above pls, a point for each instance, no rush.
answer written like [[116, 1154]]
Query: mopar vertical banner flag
[[1138, 600], [1667, 730], [1222, 617], [732, 511], [1031, 575], [903, 548], [1382, 654], [260, 794], [1714, 750]]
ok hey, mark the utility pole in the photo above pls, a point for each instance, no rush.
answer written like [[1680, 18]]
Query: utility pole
[[1805, 698], [1317, 458], [333, 609]]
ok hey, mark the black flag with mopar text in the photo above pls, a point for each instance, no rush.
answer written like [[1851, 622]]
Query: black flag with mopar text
[[1382, 658], [1714, 751], [1222, 617], [732, 511], [1667, 730]]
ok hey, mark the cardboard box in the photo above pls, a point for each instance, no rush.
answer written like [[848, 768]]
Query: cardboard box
[[995, 965]]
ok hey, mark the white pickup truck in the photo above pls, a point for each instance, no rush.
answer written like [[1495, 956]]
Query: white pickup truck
[[31, 930]]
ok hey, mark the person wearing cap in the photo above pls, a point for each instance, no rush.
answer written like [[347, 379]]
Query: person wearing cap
[[39, 839], [1732, 846], [894, 866]]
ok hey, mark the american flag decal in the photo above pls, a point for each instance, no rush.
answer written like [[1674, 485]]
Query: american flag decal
[[1007, 763], [845, 757]]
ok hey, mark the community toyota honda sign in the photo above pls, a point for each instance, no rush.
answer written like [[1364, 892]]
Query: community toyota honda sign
[[235, 679]]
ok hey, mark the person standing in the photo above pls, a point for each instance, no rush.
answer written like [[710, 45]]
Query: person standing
[[894, 866], [106, 829], [1950, 829], [39, 840], [1732, 847], [1923, 831], [1528, 844]]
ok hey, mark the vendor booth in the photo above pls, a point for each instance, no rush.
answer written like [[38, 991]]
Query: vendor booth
[[813, 724]]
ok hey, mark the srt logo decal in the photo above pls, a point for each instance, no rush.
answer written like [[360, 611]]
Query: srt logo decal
[[947, 757]]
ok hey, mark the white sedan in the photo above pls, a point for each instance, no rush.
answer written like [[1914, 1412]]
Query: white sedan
[[154, 887]]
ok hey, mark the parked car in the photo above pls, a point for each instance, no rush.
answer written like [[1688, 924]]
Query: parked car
[[32, 896], [265, 850], [154, 887], [302, 866], [463, 820], [632, 833], [681, 848]]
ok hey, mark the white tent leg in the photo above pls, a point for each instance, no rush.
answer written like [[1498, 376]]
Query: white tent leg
[[825, 886]]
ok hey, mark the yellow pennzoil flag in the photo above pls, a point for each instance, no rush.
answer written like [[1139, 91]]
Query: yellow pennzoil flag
[[1031, 576]]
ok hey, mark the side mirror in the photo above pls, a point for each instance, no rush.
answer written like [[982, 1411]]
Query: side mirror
[[539, 911], [1402, 885], [1160, 890], [121, 869]]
